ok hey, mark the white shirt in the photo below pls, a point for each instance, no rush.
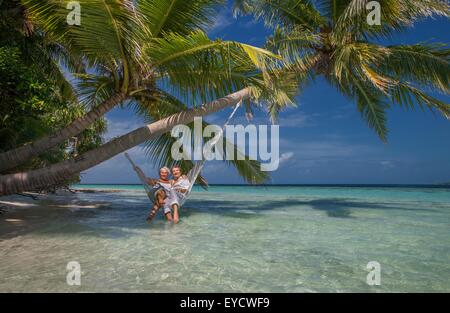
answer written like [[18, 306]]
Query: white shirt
[[167, 186], [181, 183]]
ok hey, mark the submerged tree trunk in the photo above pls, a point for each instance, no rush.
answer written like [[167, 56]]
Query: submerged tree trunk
[[15, 157], [36, 179]]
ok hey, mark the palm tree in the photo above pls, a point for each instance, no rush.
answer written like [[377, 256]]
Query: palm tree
[[332, 39], [40, 178], [157, 64], [139, 51]]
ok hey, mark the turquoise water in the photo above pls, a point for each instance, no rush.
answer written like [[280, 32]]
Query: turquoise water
[[242, 239]]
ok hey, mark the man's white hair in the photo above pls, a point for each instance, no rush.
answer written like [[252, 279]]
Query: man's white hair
[[165, 168]]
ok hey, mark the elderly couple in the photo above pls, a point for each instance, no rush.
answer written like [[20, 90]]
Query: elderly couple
[[168, 192]]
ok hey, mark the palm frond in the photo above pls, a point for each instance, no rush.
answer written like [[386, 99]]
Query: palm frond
[[424, 64], [408, 97], [174, 47], [94, 89], [178, 16], [197, 68], [332, 9], [297, 46], [368, 97], [293, 40], [280, 92], [49, 15], [286, 13], [395, 16], [111, 32], [54, 60], [372, 109], [363, 58]]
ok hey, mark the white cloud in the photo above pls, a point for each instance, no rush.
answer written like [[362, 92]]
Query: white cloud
[[296, 119], [387, 165], [223, 20], [286, 156], [319, 152], [118, 128], [214, 167]]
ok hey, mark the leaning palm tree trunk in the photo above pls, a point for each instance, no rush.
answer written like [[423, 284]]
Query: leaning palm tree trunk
[[15, 157], [40, 178]]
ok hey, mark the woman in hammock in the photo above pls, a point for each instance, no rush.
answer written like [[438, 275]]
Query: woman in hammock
[[180, 186], [162, 194]]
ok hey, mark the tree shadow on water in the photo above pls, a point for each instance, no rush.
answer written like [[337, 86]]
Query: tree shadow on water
[[333, 207], [119, 220]]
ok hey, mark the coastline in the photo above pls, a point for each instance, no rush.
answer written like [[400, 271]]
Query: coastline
[[81, 187], [96, 190]]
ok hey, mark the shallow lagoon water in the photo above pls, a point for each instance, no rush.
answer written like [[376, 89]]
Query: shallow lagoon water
[[241, 239]]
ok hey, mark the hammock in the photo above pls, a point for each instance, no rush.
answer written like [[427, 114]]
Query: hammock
[[192, 174]]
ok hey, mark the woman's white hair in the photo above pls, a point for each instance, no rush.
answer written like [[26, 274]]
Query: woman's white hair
[[165, 168]]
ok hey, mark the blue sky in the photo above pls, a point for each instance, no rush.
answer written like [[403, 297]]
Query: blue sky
[[324, 140]]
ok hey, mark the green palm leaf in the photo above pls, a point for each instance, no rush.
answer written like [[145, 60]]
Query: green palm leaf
[[408, 97], [396, 16], [286, 13], [197, 68], [178, 16], [425, 64], [94, 89]]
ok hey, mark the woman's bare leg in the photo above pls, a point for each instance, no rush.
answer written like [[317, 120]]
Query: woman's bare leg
[[176, 217]]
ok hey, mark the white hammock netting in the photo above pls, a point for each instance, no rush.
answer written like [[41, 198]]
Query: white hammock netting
[[192, 174]]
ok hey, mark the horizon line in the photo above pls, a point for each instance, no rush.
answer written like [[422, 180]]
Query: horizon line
[[299, 184]]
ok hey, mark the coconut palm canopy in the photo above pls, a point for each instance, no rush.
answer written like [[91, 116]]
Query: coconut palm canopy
[[155, 56], [332, 39]]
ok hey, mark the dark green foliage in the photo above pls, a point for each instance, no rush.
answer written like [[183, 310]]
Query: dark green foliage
[[35, 98], [31, 107]]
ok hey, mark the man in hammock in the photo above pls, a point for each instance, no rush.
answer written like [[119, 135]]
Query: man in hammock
[[180, 186]]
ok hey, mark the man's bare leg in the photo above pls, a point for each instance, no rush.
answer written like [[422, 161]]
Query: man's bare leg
[[176, 217], [169, 217]]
